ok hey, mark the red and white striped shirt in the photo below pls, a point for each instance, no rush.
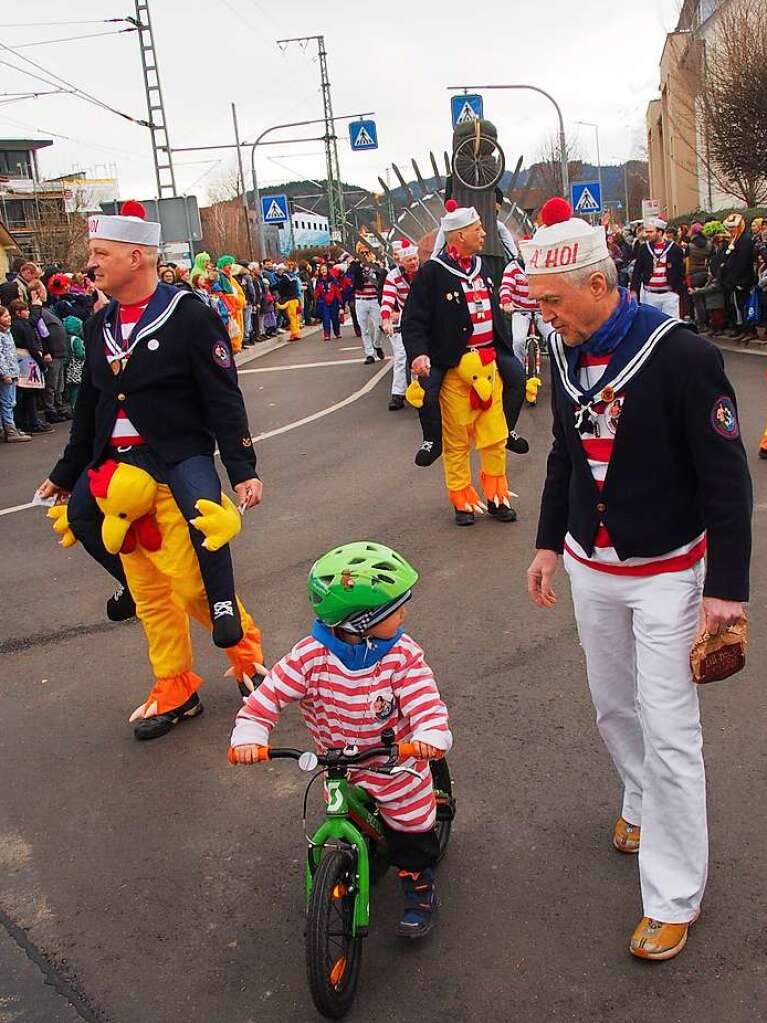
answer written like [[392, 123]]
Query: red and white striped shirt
[[516, 289], [480, 310], [598, 449], [369, 289], [395, 291], [659, 278], [124, 433], [344, 707]]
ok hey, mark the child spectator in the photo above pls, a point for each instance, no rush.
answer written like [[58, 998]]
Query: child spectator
[[31, 381], [74, 371], [267, 310], [9, 375]]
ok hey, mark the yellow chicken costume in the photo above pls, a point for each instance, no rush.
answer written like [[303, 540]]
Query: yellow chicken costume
[[143, 524], [290, 308], [472, 414]]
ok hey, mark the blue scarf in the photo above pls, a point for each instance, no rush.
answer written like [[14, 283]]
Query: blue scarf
[[354, 656], [613, 331]]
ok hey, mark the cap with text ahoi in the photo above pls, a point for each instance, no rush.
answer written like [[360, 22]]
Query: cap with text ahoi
[[562, 242], [130, 226]]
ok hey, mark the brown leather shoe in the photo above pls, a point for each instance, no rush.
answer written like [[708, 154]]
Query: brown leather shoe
[[626, 836], [653, 939]]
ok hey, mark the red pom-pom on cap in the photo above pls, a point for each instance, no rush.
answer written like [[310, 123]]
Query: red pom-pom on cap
[[133, 208], [556, 211], [451, 205]]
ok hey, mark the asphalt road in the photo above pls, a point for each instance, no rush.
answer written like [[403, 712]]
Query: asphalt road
[[153, 882]]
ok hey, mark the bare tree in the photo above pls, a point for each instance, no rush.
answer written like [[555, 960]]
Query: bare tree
[[223, 223], [549, 165], [733, 100], [63, 236]]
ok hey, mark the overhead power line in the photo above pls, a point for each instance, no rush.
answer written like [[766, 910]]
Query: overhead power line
[[48, 24], [71, 39]]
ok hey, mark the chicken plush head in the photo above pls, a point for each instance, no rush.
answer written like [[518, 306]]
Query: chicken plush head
[[126, 496], [477, 370]]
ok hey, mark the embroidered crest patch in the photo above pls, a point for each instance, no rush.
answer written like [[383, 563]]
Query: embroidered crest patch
[[724, 418], [221, 355], [382, 704]]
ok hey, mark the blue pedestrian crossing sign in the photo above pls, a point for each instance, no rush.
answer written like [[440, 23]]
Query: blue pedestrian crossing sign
[[586, 197], [274, 209], [363, 135], [467, 107]]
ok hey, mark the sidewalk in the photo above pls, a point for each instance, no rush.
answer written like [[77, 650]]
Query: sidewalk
[[749, 346], [262, 348]]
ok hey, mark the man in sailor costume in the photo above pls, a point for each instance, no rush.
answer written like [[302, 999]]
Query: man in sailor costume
[[647, 500]]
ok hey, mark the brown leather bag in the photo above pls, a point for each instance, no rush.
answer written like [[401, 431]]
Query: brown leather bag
[[714, 658]]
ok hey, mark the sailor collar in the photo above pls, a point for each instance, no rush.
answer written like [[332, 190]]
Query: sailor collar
[[161, 307], [627, 360], [476, 267]]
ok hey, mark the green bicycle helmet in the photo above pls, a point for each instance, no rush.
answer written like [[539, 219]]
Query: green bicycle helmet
[[359, 584]]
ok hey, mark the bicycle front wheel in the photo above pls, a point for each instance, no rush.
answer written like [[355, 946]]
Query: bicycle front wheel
[[333, 953]]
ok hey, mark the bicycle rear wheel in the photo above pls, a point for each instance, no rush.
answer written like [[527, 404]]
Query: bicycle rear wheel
[[443, 790], [333, 954]]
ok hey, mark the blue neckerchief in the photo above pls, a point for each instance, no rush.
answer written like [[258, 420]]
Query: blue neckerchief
[[354, 656], [644, 321], [613, 331]]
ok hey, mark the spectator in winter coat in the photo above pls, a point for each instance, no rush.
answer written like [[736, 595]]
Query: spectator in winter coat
[[74, 372], [27, 343], [57, 347], [737, 267], [9, 375]]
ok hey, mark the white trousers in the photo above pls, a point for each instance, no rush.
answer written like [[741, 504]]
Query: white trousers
[[399, 374], [637, 633], [666, 301], [369, 319], [520, 325]]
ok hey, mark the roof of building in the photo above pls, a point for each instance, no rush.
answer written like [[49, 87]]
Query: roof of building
[[23, 145]]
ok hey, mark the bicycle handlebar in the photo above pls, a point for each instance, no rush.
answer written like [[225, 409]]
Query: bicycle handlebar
[[334, 758]]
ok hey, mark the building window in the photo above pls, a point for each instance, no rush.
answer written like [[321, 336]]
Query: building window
[[15, 164]]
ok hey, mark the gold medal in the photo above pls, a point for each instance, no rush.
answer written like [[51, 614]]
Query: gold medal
[[607, 394], [115, 368]]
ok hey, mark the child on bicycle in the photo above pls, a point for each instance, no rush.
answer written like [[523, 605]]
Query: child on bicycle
[[357, 674]]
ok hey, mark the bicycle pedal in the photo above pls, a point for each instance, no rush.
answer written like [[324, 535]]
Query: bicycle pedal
[[445, 809]]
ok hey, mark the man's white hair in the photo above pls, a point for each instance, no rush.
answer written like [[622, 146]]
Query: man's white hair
[[580, 278]]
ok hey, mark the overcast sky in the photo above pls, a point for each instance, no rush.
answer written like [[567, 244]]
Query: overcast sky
[[598, 59]]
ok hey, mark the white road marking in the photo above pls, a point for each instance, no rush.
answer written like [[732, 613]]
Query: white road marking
[[354, 348], [349, 400], [301, 365]]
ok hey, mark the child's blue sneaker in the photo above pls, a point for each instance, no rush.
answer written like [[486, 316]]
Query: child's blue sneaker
[[421, 902]]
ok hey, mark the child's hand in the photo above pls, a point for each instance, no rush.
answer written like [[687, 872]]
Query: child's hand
[[248, 754], [424, 751]]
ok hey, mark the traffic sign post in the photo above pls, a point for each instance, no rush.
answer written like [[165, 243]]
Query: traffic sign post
[[466, 107], [650, 208], [274, 209], [363, 135], [586, 197]]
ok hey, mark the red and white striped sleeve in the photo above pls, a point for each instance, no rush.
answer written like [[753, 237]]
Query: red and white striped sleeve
[[515, 288], [507, 283], [420, 702], [285, 683], [389, 295]]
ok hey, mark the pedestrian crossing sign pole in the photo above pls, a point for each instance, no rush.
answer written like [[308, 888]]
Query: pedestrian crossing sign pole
[[466, 107], [586, 197], [274, 209], [363, 135]]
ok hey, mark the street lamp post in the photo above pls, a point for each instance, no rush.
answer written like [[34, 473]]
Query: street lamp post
[[590, 124], [268, 131], [532, 88]]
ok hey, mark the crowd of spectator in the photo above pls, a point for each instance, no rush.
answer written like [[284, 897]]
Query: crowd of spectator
[[717, 269]]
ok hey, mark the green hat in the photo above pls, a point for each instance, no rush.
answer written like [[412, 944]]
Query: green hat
[[73, 325], [359, 584], [225, 261]]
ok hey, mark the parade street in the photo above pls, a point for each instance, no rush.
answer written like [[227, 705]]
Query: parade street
[[154, 882]]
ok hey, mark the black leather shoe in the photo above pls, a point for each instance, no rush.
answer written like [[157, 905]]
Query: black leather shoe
[[41, 428], [121, 606], [464, 518], [227, 626], [369, 360], [380, 353], [396, 402], [154, 727], [428, 453], [517, 444], [502, 512]]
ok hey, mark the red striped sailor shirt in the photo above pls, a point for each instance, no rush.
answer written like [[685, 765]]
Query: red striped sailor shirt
[[124, 433], [515, 288], [343, 707], [395, 292], [598, 448]]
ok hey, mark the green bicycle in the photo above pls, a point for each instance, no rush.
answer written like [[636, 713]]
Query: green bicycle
[[347, 854]]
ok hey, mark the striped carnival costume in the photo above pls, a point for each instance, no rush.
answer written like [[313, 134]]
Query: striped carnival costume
[[355, 676], [647, 473], [396, 289], [159, 391]]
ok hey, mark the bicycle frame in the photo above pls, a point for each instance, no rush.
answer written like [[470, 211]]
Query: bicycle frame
[[348, 818]]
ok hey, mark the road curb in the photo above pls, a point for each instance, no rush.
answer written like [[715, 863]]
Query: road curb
[[263, 348], [745, 349]]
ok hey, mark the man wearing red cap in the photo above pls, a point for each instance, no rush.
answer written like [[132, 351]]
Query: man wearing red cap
[[647, 474], [159, 391]]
